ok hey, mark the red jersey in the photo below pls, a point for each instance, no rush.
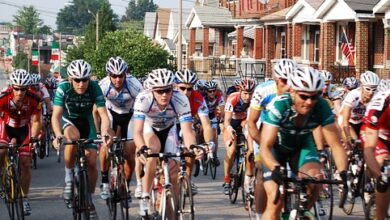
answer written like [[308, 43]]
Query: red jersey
[[198, 105], [377, 115], [19, 116], [235, 104]]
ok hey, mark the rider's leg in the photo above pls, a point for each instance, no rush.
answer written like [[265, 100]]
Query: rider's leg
[[311, 169], [153, 142], [25, 175], [272, 211], [382, 199], [129, 155], [259, 191], [91, 155]]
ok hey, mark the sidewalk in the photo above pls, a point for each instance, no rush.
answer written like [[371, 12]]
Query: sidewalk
[[3, 79]]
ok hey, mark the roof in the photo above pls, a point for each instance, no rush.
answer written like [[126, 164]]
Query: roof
[[276, 16], [249, 32], [150, 24], [211, 16], [382, 6], [163, 20], [315, 3], [170, 44], [361, 5]]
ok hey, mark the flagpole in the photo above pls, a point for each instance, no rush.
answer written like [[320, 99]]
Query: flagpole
[[60, 53], [39, 58]]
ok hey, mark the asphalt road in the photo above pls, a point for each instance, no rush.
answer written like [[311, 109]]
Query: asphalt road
[[210, 203]]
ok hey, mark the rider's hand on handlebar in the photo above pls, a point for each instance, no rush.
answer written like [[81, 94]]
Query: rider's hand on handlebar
[[57, 142], [140, 154], [231, 132], [343, 176], [278, 175]]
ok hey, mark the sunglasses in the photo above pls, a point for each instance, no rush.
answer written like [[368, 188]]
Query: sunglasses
[[81, 80], [369, 89], [117, 76], [183, 88], [211, 91], [23, 89], [306, 97], [162, 91]]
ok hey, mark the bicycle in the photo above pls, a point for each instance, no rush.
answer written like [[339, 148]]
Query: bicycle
[[81, 203], [295, 197], [185, 208], [118, 183], [237, 178], [11, 190], [207, 161], [45, 149]]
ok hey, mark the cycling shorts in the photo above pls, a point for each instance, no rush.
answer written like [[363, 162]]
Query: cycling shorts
[[169, 140], [22, 136], [356, 128], [121, 120], [85, 126], [382, 147]]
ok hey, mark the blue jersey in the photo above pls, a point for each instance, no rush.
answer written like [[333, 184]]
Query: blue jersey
[[262, 96]]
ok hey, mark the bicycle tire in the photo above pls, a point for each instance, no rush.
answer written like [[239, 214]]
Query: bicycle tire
[[48, 141], [34, 158], [234, 182], [213, 169], [84, 198], [323, 209], [197, 168], [186, 201], [111, 203], [122, 195], [350, 194], [167, 205], [369, 211], [14, 197], [205, 163]]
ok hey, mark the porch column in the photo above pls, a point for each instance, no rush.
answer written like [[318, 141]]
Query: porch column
[[269, 48], [327, 46], [258, 45], [240, 40], [361, 58], [191, 49], [386, 46], [221, 42], [205, 43], [296, 40], [290, 42]]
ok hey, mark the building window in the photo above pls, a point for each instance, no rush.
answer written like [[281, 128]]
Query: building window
[[317, 46], [345, 55], [305, 42], [283, 45]]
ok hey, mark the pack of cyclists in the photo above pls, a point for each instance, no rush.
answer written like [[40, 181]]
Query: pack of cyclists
[[287, 121]]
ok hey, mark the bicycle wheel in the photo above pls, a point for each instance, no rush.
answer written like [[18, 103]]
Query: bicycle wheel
[[34, 158], [370, 208], [167, 206], [323, 208], [205, 163], [111, 202], [48, 141], [350, 194], [122, 195], [213, 169], [84, 197], [197, 168], [234, 183], [13, 195], [186, 202]]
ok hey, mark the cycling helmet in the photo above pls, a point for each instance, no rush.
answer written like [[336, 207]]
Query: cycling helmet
[[35, 79], [369, 79], [384, 85], [211, 85], [160, 78], [51, 82], [247, 84], [326, 75], [283, 68], [350, 83], [145, 84], [20, 77], [306, 79], [186, 76], [200, 84], [237, 82], [79, 69], [116, 66]]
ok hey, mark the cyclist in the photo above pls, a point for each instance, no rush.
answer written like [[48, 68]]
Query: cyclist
[[384, 85], [155, 114], [236, 108], [185, 80], [377, 147], [73, 101], [200, 87], [354, 106], [286, 135], [234, 88], [330, 92], [20, 123], [215, 104], [349, 84], [120, 91], [40, 88], [262, 96], [51, 85]]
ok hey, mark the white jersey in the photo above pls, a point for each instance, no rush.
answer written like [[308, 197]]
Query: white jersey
[[334, 93], [146, 109], [354, 100], [123, 101]]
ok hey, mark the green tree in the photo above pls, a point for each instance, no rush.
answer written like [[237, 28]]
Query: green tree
[[141, 54], [136, 10], [20, 61], [28, 19], [74, 17]]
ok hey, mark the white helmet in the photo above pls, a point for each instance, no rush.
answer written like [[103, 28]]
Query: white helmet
[[384, 85], [326, 75], [306, 79], [35, 79], [237, 82], [211, 85], [160, 78], [20, 77], [369, 79], [283, 68], [350, 83], [146, 84], [186, 76], [116, 66], [79, 69]]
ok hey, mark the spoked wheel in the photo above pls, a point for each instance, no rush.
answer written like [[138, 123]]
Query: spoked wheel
[[368, 196], [323, 208], [111, 203], [34, 158], [197, 168], [205, 162], [250, 206], [84, 198], [123, 196], [13, 196], [233, 191], [350, 194], [167, 206], [186, 202], [213, 169], [48, 142], [370, 208]]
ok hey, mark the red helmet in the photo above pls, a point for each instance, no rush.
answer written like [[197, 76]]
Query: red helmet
[[247, 84]]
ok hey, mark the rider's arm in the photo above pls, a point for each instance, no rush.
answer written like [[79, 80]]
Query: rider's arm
[[105, 122], [35, 124], [332, 137], [337, 105], [138, 133], [346, 115], [370, 142], [268, 137], [48, 104], [207, 129], [96, 119], [188, 135], [56, 120], [227, 120], [252, 127]]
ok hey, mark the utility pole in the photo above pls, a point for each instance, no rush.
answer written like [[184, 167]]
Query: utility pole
[[180, 50], [60, 53], [96, 16], [39, 58]]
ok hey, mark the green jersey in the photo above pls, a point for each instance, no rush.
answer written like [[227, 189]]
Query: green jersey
[[76, 105], [282, 115]]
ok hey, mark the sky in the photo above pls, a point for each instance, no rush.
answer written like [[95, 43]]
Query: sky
[[49, 8]]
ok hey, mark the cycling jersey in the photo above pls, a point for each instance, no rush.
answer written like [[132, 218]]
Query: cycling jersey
[[333, 93], [354, 100], [19, 116], [235, 104], [377, 116], [263, 95], [120, 102], [230, 90], [282, 115], [147, 109], [212, 104], [198, 105], [78, 105]]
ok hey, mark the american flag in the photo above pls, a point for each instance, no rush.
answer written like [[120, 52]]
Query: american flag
[[347, 49]]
